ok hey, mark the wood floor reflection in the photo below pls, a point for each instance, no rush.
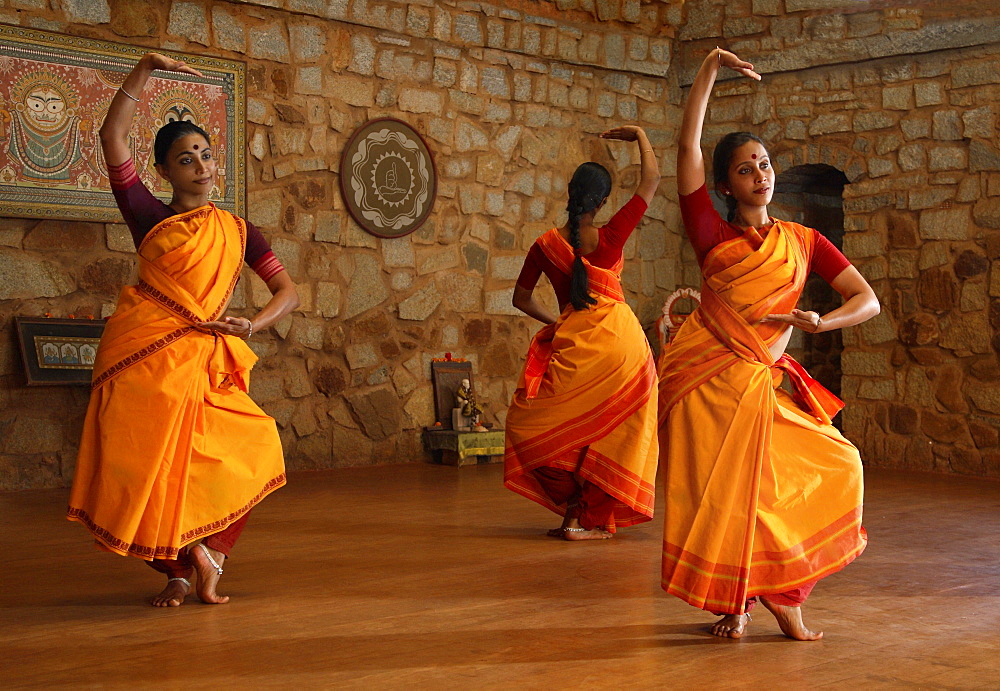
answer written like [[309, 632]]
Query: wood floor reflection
[[422, 576]]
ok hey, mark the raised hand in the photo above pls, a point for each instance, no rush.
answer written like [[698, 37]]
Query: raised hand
[[733, 62], [625, 133], [810, 322], [156, 61]]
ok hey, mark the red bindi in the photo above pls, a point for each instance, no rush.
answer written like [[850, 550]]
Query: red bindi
[[753, 156]]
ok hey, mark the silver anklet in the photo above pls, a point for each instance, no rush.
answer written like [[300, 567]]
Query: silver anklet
[[575, 530], [182, 580], [208, 556]]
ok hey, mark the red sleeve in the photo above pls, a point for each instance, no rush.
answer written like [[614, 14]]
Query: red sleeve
[[140, 210], [259, 255], [616, 232], [827, 260], [702, 223], [531, 271]]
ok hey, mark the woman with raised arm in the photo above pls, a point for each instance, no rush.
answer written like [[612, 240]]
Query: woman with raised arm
[[763, 494], [174, 454], [581, 429]]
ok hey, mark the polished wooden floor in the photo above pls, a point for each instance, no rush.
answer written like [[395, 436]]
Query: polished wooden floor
[[422, 576]]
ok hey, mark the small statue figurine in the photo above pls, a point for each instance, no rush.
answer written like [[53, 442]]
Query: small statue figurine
[[465, 400]]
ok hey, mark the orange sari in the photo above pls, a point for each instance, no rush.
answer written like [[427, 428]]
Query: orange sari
[[585, 401], [173, 449], [763, 494]]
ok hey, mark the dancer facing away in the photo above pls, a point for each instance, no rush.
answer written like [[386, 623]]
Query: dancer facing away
[[173, 449], [763, 494], [581, 429]]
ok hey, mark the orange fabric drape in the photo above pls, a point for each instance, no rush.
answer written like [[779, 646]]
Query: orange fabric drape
[[586, 399], [173, 449], [763, 493]]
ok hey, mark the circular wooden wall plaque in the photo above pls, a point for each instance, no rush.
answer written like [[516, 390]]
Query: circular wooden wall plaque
[[387, 178]]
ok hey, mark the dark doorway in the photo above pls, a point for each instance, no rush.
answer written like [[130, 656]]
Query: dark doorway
[[813, 196]]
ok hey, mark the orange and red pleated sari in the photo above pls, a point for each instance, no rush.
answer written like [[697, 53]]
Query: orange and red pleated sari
[[763, 494], [586, 399], [173, 449]]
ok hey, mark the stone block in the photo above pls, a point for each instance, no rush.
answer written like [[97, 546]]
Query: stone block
[[911, 157], [897, 97], [983, 157], [915, 128], [308, 42], [378, 412], [23, 276], [946, 125], [947, 158], [986, 212], [352, 90], [877, 389], [268, 42], [499, 302], [362, 55], [437, 259], [366, 287], [966, 334], [944, 224], [464, 293], [420, 305], [227, 31], [979, 122], [328, 298], [420, 101], [975, 74], [919, 330]]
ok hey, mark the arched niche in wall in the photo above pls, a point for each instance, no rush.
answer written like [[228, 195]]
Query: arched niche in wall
[[812, 194]]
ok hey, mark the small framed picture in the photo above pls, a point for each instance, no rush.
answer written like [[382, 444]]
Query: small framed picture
[[58, 351]]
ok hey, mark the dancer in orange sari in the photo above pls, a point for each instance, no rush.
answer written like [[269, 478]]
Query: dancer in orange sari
[[581, 429], [764, 495], [173, 450]]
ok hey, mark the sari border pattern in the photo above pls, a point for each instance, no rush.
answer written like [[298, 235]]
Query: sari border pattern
[[139, 355], [164, 552]]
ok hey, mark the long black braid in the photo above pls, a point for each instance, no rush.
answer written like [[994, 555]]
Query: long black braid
[[591, 184]]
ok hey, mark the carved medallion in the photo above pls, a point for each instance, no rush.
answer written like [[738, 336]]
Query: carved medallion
[[387, 178]]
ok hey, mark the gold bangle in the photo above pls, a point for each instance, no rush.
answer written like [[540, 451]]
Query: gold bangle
[[122, 89], [645, 151], [719, 55]]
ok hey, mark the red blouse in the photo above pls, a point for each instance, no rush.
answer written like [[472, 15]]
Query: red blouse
[[142, 212], [706, 228], [612, 239]]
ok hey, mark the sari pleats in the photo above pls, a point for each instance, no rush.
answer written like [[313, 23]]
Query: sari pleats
[[764, 494], [173, 449], [586, 400]]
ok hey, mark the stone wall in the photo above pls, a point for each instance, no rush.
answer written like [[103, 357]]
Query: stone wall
[[509, 96], [901, 99]]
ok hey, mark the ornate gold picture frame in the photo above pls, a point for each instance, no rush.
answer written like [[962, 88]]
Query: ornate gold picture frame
[[54, 92]]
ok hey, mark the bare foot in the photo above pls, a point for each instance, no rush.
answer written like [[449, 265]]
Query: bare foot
[[731, 626], [208, 575], [569, 521], [173, 595], [790, 621], [574, 534]]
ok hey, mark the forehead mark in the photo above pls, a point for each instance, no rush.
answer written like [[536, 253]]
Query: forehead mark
[[753, 156], [196, 148]]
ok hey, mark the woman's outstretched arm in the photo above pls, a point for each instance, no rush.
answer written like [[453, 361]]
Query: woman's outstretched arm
[[118, 122], [860, 304], [649, 169], [690, 161]]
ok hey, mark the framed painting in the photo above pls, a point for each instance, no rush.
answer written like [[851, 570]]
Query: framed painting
[[387, 178], [58, 351], [54, 93]]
